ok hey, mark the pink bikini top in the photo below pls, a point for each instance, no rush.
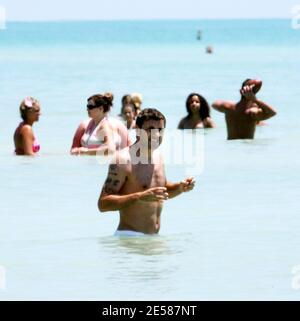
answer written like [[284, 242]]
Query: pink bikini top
[[36, 146]]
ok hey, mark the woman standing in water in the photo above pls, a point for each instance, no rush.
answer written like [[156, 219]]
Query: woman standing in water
[[127, 114], [198, 113], [24, 139], [99, 134]]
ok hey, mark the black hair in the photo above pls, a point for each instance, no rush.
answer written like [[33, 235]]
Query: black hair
[[204, 110]]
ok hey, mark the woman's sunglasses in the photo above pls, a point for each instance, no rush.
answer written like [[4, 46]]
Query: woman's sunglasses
[[90, 107]]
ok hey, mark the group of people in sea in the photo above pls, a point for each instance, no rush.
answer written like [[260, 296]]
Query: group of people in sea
[[138, 188]]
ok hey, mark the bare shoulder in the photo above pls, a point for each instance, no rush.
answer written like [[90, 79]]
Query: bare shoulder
[[182, 123], [26, 130], [208, 123]]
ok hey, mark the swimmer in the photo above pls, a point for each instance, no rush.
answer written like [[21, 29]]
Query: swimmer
[[126, 99], [209, 50], [99, 134], [198, 113], [242, 117], [128, 115], [24, 138], [136, 184]]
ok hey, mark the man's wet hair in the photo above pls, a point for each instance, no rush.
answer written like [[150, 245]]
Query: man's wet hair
[[149, 114]]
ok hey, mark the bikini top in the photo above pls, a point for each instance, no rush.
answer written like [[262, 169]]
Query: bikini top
[[35, 146], [91, 137]]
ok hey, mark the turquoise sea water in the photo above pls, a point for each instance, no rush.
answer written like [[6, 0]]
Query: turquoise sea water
[[236, 236]]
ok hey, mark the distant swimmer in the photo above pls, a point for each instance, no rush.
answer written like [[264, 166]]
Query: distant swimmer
[[199, 34], [24, 138], [209, 50], [101, 133], [242, 117], [136, 184], [198, 113]]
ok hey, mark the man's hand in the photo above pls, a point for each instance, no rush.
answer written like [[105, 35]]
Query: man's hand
[[154, 194], [248, 93], [187, 185]]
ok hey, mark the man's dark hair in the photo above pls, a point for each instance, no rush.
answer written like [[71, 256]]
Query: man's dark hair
[[149, 114], [245, 82]]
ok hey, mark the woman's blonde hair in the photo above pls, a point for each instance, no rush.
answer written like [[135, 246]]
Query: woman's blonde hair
[[27, 104]]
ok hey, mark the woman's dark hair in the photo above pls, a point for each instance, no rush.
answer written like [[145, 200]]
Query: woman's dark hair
[[126, 99], [105, 101], [204, 110], [147, 114]]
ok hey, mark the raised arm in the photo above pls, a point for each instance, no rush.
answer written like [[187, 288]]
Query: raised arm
[[222, 105], [263, 111]]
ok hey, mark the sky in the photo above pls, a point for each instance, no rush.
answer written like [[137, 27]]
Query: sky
[[32, 10]]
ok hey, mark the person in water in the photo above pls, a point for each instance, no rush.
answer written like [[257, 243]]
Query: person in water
[[243, 116], [136, 184], [24, 138], [128, 115], [198, 113], [100, 133], [126, 99]]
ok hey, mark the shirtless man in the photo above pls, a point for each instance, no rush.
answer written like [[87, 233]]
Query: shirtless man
[[242, 117], [136, 185]]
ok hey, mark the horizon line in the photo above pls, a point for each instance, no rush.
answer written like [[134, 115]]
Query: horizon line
[[146, 19]]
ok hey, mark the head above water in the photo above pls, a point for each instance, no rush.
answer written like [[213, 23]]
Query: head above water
[[128, 111], [150, 124], [126, 99], [204, 110], [149, 114], [103, 101], [29, 106]]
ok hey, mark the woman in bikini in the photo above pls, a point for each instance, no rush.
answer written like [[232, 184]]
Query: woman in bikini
[[24, 139], [198, 113], [100, 134]]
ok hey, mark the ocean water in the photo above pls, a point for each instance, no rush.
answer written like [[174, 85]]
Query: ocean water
[[236, 236]]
